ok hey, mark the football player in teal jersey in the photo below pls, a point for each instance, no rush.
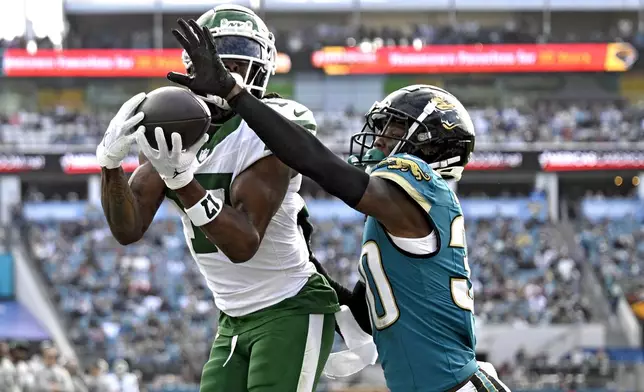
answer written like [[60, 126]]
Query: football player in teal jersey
[[416, 278]]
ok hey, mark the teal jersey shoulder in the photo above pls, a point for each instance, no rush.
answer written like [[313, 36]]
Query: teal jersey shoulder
[[421, 304]]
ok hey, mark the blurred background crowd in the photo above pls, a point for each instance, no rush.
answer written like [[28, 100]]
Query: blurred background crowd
[[553, 202], [584, 121]]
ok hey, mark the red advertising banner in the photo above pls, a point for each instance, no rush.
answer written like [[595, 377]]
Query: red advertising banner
[[566, 161], [87, 164], [101, 63], [611, 57]]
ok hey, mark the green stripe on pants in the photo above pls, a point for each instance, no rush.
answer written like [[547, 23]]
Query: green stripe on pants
[[286, 354]]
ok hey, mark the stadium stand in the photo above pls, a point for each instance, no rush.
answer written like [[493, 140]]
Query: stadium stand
[[148, 304], [554, 121]]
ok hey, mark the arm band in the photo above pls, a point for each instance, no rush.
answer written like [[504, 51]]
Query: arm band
[[300, 150], [205, 211]]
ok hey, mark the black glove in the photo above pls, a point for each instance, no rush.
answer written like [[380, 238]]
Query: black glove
[[209, 74]]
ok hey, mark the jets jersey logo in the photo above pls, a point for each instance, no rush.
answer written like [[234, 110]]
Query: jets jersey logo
[[406, 165], [203, 154]]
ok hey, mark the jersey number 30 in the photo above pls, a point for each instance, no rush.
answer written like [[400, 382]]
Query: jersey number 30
[[380, 287]]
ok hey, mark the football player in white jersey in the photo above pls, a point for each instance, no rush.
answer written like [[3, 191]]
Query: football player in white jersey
[[239, 207]]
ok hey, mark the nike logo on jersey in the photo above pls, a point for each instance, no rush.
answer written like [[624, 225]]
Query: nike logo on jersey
[[298, 114]]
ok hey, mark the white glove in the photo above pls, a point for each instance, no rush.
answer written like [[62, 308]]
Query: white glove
[[119, 135], [175, 167]]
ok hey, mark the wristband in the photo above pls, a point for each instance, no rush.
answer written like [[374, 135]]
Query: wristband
[[205, 211]]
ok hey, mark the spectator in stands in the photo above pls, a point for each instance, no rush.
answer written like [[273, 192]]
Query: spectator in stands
[[98, 380], [8, 377], [24, 372], [121, 379], [78, 380], [53, 377]]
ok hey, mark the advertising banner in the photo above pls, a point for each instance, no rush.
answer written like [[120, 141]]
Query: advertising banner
[[600, 209], [6, 277], [20, 163], [84, 163], [519, 208], [454, 59], [566, 161], [68, 211], [557, 161], [493, 161], [101, 63], [485, 161]]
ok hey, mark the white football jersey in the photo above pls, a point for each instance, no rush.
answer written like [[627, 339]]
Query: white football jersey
[[281, 266]]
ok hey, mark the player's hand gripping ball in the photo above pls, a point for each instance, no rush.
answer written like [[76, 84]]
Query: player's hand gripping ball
[[120, 134], [172, 133], [174, 109]]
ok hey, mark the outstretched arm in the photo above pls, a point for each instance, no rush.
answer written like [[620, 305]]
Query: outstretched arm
[[300, 150], [304, 153], [292, 144]]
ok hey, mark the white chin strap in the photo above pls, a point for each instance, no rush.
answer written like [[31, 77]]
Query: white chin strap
[[219, 101], [455, 172]]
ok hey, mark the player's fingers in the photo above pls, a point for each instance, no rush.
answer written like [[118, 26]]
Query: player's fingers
[[131, 122], [177, 145], [139, 131], [198, 31], [179, 78], [194, 149], [131, 105], [188, 33], [144, 146], [159, 135], [182, 40], [210, 41]]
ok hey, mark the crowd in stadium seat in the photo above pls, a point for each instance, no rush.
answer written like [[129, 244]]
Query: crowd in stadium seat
[[143, 302], [461, 32], [29, 368], [148, 303], [616, 249], [549, 121], [293, 38], [574, 370], [60, 126]]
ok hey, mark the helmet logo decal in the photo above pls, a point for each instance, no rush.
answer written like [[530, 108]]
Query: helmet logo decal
[[443, 105], [450, 118], [236, 25], [405, 165]]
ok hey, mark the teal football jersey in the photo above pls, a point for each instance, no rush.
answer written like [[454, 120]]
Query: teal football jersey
[[421, 305]]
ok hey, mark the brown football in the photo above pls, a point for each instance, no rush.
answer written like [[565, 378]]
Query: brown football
[[175, 109]]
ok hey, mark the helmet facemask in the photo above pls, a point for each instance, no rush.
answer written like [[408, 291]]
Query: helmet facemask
[[417, 141], [243, 41]]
